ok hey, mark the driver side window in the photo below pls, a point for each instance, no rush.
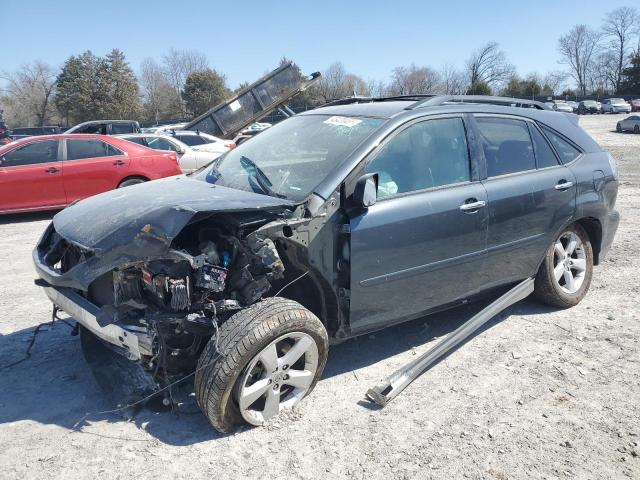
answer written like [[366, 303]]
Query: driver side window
[[428, 154], [31, 153]]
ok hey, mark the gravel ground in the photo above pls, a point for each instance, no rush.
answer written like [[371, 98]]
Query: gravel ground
[[542, 393]]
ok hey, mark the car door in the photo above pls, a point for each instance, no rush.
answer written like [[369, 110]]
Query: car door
[[92, 166], [527, 204], [423, 243], [31, 176]]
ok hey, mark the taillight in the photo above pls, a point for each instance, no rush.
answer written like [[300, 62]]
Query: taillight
[[230, 145]]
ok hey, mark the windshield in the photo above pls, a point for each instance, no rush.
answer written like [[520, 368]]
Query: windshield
[[291, 158], [617, 101]]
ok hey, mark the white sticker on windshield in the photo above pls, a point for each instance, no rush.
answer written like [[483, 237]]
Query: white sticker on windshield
[[235, 106], [343, 121]]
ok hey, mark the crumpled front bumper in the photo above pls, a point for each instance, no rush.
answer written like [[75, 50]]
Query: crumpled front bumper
[[86, 313]]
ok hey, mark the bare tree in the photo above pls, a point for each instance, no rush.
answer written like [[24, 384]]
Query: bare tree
[[31, 89], [556, 81], [178, 65], [577, 49], [414, 80], [453, 81], [160, 99], [489, 65], [337, 83], [619, 26]]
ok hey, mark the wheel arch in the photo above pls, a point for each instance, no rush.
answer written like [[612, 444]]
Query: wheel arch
[[133, 177], [593, 227]]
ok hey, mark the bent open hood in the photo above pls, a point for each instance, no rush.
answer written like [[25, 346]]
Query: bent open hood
[[149, 215]]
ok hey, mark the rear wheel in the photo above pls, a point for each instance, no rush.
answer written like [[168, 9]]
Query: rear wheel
[[565, 274], [131, 181], [268, 357], [636, 129]]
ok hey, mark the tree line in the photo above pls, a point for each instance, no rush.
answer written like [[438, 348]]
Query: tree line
[[181, 83]]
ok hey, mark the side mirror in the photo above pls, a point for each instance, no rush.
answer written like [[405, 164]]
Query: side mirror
[[179, 149], [366, 191]]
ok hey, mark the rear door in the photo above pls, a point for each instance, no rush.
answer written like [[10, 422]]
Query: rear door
[[423, 243], [188, 159], [531, 195], [92, 166], [31, 176]]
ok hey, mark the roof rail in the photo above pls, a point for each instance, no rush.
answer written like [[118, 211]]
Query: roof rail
[[356, 99], [437, 100]]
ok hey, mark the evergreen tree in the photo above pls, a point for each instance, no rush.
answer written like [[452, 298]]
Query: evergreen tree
[[203, 90]]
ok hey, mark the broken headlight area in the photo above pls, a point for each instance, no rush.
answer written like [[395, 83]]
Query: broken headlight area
[[175, 304]]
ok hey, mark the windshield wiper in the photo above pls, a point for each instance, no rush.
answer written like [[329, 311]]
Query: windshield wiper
[[261, 178]]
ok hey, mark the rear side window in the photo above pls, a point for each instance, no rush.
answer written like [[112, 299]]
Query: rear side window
[[118, 128], [567, 152], [138, 140], [425, 155], [191, 140], [80, 149], [160, 144], [507, 145], [30, 154], [543, 152], [96, 128]]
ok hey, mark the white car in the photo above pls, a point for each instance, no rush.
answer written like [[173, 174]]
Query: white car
[[615, 105], [190, 158], [164, 128], [629, 124], [559, 106]]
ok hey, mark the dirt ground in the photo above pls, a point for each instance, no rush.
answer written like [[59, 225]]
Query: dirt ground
[[542, 393]]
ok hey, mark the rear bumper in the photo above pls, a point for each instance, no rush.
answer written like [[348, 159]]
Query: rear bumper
[[86, 314], [609, 228]]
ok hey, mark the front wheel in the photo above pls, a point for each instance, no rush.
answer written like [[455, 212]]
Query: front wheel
[[636, 129], [618, 128], [565, 274], [267, 358]]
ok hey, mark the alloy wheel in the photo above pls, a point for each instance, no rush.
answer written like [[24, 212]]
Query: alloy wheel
[[278, 377], [570, 262]]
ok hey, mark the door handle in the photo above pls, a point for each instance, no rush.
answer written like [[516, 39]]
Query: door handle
[[563, 185], [118, 162], [472, 205], [52, 170]]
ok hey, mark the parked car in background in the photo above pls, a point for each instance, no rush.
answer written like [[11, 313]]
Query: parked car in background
[[629, 124], [587, 107], [562, 106], [50, 172], [164, 128], [615, 105], [189, 158], [24, 132], [599, 105], [635, 105], [106, 127], [333, 223], [201, 139], [573, 105]]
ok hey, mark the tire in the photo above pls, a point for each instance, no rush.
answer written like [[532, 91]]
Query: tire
[[220, 378], [636, 129], [618, 128], [551, 291], [131, 181]]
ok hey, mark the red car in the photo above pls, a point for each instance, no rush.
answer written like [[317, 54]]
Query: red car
[[49, 172], [635, 105]]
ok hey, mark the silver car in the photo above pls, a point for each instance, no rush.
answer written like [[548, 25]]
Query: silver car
[[629, 124], [615, 105]]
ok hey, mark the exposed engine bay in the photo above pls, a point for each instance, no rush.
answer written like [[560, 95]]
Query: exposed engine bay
[[174, 305]]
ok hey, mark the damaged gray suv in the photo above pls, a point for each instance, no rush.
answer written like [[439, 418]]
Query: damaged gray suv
[[334, 223]]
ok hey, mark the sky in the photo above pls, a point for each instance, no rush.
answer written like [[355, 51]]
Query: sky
[[246, 39]]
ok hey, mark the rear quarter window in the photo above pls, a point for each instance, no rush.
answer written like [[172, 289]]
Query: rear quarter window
[[566, 150]]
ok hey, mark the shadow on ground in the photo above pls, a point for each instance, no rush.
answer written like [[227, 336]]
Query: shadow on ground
[[55, 386], [26, 217]]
